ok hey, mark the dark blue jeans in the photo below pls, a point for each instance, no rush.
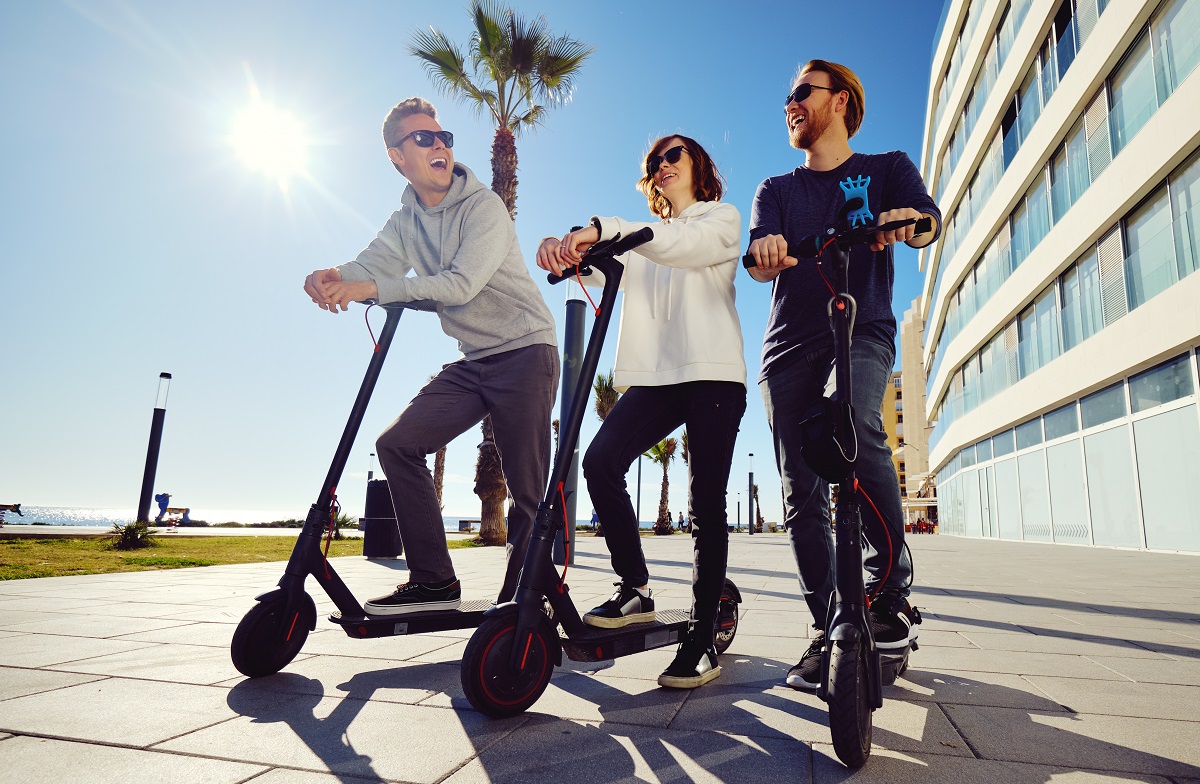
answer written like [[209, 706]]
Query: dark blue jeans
[[788, 393], [643, 416]]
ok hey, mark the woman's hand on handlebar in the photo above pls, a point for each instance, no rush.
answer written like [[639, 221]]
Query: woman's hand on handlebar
[[576, 243], [771, 254], [902, 234], [551, 256]]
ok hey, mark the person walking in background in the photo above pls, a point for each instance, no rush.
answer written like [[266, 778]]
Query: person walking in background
[[678, 362], [824, 109], [457, 240]]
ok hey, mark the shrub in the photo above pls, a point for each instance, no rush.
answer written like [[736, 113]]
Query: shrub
[[131, 536]]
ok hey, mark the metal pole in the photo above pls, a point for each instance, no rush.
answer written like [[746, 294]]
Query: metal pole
[[156, 428], [572, 363], [371, 468], [639, 493], [750, 498]]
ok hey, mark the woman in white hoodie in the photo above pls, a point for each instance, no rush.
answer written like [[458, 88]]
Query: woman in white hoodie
[[679, 362]]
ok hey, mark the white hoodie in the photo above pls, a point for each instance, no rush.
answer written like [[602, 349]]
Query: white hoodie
[[678, 322]]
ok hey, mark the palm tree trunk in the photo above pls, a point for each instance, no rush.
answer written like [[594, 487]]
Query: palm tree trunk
[[504, 169], [491, 488], [663, 524], [439, 474]]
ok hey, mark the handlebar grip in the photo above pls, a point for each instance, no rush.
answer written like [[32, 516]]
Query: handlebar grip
[[606, 249], [640, 237], [923, 226], [567, 274]]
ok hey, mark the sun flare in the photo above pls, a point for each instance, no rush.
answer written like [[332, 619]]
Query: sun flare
[[270, 141]]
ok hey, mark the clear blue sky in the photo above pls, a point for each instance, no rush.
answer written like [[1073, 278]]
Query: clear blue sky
[[133, 240]]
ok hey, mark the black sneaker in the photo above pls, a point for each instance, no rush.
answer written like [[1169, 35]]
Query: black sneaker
[[625, 607], [418, 597], [893, 622], [694, 665], [806, 675]]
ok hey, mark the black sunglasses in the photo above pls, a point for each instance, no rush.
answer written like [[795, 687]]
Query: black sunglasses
[[426, 138], [671, 156], [802, 91]]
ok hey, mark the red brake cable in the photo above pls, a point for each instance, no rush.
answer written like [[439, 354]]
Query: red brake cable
[[886, 532]]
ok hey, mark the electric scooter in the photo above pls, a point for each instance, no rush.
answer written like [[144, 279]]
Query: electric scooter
[[853, 672], [275, 629], [509, 659]]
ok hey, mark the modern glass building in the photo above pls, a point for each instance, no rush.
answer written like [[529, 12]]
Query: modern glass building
[[1061, 305]]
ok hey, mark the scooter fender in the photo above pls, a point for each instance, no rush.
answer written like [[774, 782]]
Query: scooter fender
[[846, 632], [284, 596], [510, 608]]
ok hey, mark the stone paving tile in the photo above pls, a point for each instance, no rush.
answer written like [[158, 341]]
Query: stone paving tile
[[956, 688], [1146, 700], [209, 635], [368, 739], [92, 625], [360, 679], [1109, 743], [550, 749], [1015, 662], [44, 650], [331, 640], [1163, 670], [163, 662], [117, 710], [889, 767], [18, 681], [32, 759], [1070, 642], [288, 776], [13, 619]]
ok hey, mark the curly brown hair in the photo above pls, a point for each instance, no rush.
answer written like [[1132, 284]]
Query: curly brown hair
[[707, 183]]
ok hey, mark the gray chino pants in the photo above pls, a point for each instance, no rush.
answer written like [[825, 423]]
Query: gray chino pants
[[517, 388]]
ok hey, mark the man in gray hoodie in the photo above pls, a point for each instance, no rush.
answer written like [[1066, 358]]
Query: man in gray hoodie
[[457, 240]]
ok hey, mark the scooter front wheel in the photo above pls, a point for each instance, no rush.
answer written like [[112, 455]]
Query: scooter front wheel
[[849, 703], [269, 637], [491, 684]]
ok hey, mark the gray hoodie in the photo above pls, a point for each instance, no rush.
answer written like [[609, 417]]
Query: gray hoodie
[[466, 263]]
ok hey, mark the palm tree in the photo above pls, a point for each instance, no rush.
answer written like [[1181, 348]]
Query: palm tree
[[519, 72], [606, 399], [663, 453], [684, 448], [758, 521], [439, 473]]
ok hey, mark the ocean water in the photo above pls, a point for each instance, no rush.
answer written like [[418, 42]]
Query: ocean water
[[107, 516]]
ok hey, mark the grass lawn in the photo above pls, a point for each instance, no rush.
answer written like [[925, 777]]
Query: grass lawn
[[24, 558]]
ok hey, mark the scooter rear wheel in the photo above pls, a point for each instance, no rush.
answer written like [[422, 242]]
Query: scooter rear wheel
[[849, 703], [266, 641], [727, 623], [488, 680]]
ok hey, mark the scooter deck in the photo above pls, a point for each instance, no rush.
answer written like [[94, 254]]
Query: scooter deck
[[597, 644], [467, 616]]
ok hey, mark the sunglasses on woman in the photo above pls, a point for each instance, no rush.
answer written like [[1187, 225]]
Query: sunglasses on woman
[[427, 138], [671, 156], [802, 91]]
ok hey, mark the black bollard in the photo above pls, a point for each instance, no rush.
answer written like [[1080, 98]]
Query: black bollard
[[381, 533]]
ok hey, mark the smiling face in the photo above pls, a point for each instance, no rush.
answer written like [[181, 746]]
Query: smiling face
[[675, 180], [808, 120], [430, 170]]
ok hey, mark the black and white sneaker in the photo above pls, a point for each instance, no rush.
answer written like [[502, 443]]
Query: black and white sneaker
[[418, 597], [806, 675], [893, 622], [626, 606], [694, 665]]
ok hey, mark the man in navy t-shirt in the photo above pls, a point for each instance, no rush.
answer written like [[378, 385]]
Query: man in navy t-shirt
[[825, 109]]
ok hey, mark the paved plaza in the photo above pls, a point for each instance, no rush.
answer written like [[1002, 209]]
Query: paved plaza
[[1038, 663]]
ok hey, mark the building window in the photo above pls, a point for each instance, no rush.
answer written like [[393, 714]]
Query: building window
[[1150, 250], [1103, 406], [1061, 422], [1133, 94], [1167, 382]]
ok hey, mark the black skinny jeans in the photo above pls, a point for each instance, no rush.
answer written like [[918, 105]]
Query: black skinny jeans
[[643, 416]]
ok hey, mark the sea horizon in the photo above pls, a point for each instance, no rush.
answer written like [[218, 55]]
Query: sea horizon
[[109, 516]]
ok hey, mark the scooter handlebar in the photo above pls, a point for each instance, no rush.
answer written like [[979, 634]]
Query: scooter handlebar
[[607, 249], [810, 247]]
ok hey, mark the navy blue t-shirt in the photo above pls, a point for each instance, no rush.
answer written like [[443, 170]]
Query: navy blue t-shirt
[[805, 202]]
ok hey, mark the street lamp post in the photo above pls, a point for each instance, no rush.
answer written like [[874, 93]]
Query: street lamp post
[[156, 428], [750, 498]]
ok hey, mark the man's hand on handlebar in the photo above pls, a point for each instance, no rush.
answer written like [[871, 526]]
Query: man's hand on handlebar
[[327, 289], [902, 234], [771, 254]]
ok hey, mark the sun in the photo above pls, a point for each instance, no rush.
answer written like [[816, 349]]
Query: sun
[[270, 141]]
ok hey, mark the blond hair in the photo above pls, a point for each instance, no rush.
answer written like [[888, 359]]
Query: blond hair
[[841, 78]]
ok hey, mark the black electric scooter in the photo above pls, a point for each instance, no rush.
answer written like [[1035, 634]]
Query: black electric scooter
[[274, 630], [853, 672], [511, 656]]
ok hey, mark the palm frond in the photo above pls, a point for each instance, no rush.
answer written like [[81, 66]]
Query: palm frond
[[561, 63], [442, 60]]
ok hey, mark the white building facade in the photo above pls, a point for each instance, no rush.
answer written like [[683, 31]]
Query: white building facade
[[1062, 304]]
